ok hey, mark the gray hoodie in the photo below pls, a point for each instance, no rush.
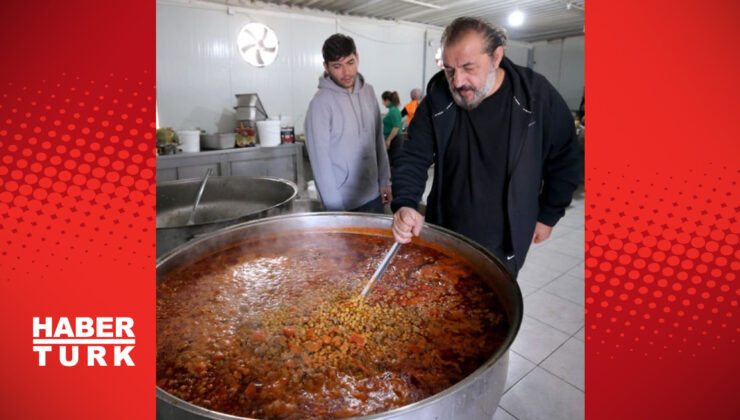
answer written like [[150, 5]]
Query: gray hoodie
[[344, 138]]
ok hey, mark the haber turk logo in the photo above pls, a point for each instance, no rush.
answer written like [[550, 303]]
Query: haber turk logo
[[101, 341]]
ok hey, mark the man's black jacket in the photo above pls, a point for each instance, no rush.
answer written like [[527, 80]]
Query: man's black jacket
[[544, 162]]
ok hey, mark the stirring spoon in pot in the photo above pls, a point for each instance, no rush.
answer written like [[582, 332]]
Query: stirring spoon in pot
[[381, 269], [202, 187]]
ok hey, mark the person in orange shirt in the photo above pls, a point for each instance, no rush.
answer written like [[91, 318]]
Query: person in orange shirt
[[410, 108]]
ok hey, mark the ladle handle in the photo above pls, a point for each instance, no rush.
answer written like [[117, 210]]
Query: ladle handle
[[381, 269], [202, 187]]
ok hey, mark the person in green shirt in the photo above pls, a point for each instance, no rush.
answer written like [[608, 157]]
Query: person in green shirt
[[392, 125]]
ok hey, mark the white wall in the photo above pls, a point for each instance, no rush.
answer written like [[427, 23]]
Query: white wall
[[199, 69], [517, 52], [390, 55], [562, 61], [430, 67]]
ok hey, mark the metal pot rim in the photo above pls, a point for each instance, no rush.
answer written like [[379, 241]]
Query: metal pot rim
[[515, 323], [291, 184]]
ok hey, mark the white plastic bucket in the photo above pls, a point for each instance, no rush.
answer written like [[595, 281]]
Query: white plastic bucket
[[189, 140], [269, 132]]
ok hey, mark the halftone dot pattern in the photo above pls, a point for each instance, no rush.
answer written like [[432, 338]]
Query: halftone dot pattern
[[77, 200], [661, 265], [77, 173]]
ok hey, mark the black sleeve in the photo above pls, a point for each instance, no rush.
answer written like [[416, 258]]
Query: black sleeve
[[409, 176], [563, 162], [404, 112]]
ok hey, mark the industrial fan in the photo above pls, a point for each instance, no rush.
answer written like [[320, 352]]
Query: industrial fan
[[258, 44]]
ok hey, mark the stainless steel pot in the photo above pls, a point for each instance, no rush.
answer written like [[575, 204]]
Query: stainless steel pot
[[475, 397], [226, 201]]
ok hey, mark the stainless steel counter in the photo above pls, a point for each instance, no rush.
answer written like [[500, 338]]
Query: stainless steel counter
[[284, 161]]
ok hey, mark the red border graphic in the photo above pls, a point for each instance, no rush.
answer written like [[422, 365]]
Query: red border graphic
[[77, 203], [77, 206], [662, 227]]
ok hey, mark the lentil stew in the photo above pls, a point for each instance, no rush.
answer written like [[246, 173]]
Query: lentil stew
[[274, 328]]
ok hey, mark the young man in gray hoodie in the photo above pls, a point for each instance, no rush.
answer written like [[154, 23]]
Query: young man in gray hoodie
[[344, 134]]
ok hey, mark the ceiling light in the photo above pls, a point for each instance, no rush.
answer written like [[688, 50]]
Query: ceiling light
[[516, 18], [421, 3], [573, 5]]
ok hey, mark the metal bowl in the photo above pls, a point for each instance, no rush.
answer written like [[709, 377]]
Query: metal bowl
[[226, 201], [475, 397]]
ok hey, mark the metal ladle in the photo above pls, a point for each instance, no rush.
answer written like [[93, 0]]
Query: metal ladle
[[381, 269], [202, 187]]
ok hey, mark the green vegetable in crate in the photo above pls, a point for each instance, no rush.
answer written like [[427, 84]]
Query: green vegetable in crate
[[166, 135]]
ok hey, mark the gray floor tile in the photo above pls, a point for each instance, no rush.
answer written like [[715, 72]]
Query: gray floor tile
[[578, 209], [571, 244], [567, 363], [554, 311], [576, 219], [518, 367], [577, 271], [536, 340], [543, 396], [527, 289], [559, 231], [581, 334], [581, 232], [500, 414], [536, 275], [533, 247], [551, 260], [568, 287], [581, 229]]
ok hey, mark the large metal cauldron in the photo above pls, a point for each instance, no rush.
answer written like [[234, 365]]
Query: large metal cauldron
[[226, 201], [475, 397]]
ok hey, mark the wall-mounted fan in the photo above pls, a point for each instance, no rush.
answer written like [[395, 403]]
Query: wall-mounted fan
[[258, 44]]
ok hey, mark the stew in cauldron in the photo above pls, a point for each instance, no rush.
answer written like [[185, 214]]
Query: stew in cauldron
[[274, 329]]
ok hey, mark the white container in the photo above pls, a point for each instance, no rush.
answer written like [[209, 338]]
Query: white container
[[249, 113], [227, 140], [217, 141], [189, 140], [269, 132]]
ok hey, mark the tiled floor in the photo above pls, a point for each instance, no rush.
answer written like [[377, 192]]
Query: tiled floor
[[546, 366]]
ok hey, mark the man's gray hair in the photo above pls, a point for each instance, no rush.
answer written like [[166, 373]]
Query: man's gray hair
[[493, 35], [416, 94]]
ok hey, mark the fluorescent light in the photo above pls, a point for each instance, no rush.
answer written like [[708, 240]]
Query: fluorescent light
[[516, 18], [572, 5], [421, 3]]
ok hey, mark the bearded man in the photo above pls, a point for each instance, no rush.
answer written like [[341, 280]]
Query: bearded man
[[503, 145]]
